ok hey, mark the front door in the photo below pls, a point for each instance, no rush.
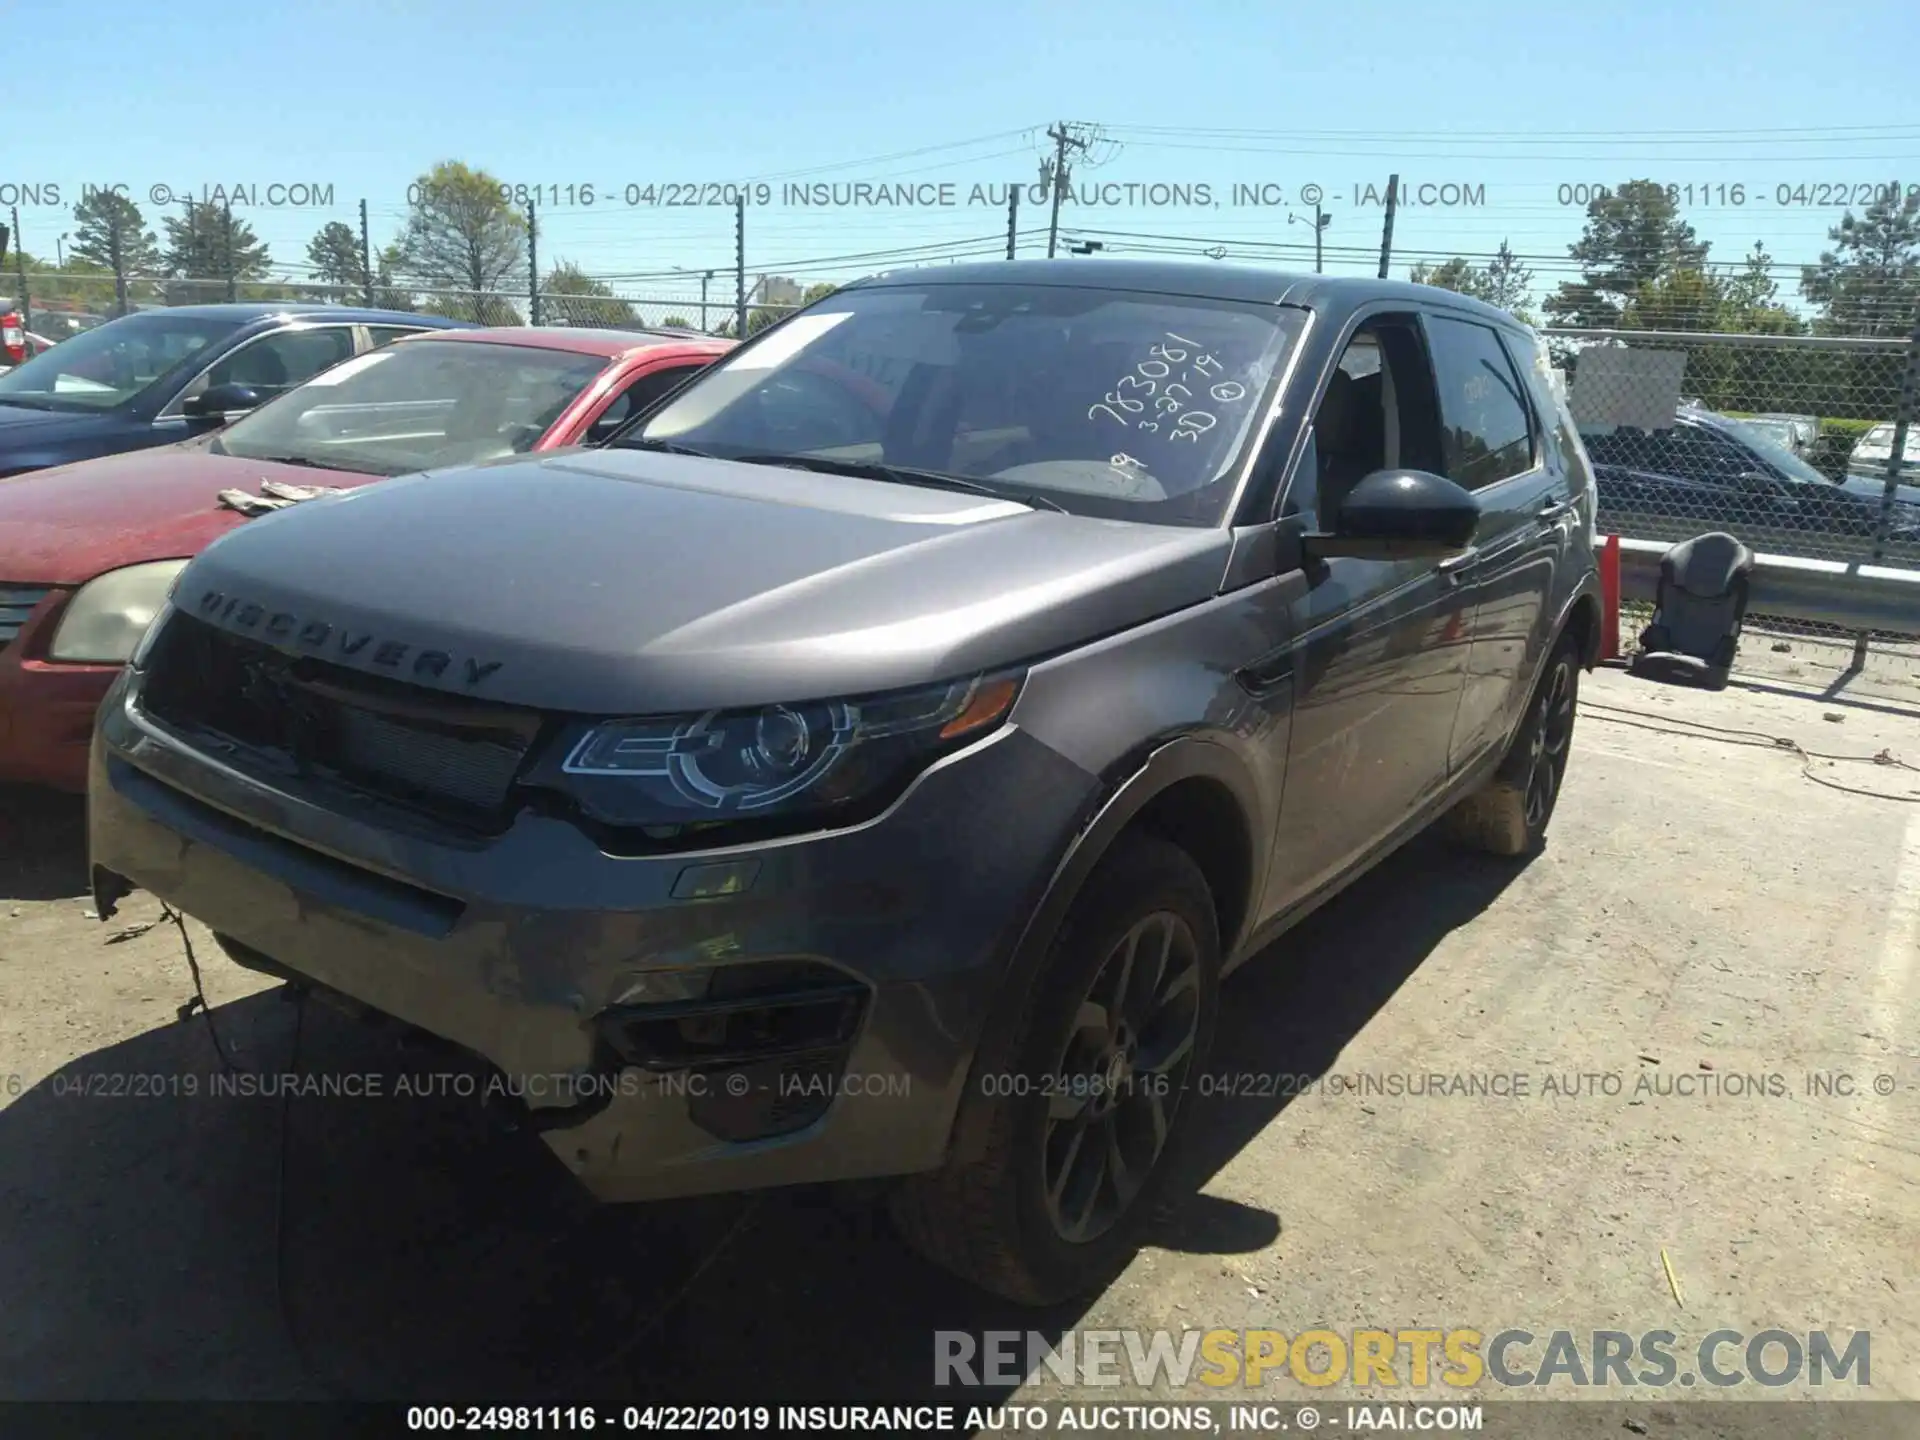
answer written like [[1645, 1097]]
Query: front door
[[1381, 645]]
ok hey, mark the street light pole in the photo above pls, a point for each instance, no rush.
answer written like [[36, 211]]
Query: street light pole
[[1320, 222]]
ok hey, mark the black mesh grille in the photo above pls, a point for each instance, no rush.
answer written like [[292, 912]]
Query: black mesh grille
[[294, 717], [17, 602]]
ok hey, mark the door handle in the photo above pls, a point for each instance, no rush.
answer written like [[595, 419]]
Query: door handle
[[1455, 563], [1553, 509]]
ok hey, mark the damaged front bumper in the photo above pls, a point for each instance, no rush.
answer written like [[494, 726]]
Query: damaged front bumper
[[804, 1010]]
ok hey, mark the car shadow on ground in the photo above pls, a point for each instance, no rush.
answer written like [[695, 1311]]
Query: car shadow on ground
[[169, 1230], [43, 844]]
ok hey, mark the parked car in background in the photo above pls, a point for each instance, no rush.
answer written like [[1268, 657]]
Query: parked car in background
[[160, 376], [1712, 472], [55, 322], [959, 744], [87, 551], [16, 345], [1867, 464], [1794, 433]]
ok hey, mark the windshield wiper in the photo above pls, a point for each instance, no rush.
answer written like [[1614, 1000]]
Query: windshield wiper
[[901, 475], [300, 460], [667, 447]]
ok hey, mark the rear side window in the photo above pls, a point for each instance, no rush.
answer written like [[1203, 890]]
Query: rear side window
[[649, 388], [1488, 428]]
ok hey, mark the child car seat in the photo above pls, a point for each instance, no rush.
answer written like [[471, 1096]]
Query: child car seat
[[1698, 611]]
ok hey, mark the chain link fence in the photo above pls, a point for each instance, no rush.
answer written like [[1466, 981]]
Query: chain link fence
[[59, 306], [1784, 442]]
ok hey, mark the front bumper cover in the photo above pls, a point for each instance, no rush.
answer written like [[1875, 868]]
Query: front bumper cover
[[561, 966]]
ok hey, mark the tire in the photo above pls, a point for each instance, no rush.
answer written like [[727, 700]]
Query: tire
[[1509, 814], [1039, 1218]]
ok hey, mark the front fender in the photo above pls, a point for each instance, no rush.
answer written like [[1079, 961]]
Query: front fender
[[1166, 765]]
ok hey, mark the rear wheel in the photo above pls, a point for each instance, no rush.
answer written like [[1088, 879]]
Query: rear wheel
[[1508, 815], [1080, 1126]]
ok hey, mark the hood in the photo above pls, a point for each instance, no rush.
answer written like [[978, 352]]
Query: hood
[[21, 424], [632, 582], [67, 524]]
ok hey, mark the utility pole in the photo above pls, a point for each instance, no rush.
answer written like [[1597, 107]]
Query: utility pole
[[740, 267], [1013, 216], [20, 269], [533, 265], [191, 290], [366, 253], [704, 280], [1386, 229], [226, 210], [1057, 173]]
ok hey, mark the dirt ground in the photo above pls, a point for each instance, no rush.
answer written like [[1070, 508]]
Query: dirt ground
[[1713, 903]]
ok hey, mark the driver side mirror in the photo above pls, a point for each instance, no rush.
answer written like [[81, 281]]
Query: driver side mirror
[[218, 404], [1399, 515]]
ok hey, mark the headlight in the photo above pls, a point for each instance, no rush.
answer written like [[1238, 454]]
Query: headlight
[[818, 763], [107, 616]]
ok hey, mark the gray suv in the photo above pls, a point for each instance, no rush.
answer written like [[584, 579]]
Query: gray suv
[[869, 764]]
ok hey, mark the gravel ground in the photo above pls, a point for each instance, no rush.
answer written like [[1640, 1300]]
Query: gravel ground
[[1712, 904]]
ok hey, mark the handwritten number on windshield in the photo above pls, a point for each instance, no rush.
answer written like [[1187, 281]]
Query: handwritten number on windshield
[[1144, 383]]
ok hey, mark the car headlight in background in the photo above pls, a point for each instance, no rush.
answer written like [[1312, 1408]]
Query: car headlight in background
[[106, 617], [818, 762]]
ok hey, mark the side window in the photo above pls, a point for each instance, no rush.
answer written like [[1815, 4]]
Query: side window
[[279, 361], [1378, 412], [387, 334], [654, 386], [1488, 427]]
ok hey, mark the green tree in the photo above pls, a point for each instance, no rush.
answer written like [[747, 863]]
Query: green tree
[[1634, 238], [583, 300], [815, 293], [676, 322], [1508, 283], [1689, 299], [1456, 274], [1751, 299], [388, 291], [462, 236], [334, 257], [110, 231], [758, 319], [1869, 283], [208, 243]]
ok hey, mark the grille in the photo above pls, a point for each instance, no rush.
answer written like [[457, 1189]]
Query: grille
[[16, 603], [284, 716]]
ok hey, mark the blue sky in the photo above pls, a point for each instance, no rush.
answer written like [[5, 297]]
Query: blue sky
[[361, 97]]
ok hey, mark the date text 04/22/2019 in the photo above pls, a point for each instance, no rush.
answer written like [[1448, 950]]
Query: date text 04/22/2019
[[693, 1419], [1786, 194]]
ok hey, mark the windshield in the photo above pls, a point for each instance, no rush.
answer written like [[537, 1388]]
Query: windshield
[[1104, 402], [1781, 432], [1776, 454], [1880, 439], [417, 405], [110, 364]]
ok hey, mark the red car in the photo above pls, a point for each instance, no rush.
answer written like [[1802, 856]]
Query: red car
[[88, 551]]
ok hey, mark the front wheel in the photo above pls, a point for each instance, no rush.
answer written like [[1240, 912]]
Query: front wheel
[[1508, 815], [1080, 1126]]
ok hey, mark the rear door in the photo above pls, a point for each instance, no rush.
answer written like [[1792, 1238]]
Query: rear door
[[1495, 446]]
